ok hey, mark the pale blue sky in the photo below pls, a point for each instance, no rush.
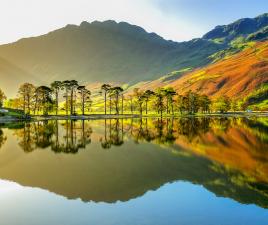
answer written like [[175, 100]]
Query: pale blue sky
[[209, 13], [178, 20]]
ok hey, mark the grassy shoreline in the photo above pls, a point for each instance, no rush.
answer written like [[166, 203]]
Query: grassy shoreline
[[127, 116], [113, 116]]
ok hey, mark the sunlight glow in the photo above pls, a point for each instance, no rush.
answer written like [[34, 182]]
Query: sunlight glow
[[35, 17]]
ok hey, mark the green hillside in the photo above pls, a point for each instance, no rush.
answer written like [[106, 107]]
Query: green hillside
[[12, 75], [119, 52], [105, 51]]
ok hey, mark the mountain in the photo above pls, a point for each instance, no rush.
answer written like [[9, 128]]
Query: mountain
[[11, 76], [121, 53], [236, 76], [242, 27], [104, 52]]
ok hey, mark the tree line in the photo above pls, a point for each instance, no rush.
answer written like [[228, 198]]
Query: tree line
[[70, 98], [46, 99], [69, 136]]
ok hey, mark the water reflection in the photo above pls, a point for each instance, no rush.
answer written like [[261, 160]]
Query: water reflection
[[62, 136], [3, 138], [69, 136], [113, 133], [228, 156]]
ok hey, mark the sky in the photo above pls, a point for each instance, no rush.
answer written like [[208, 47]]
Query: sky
[[177, 20]]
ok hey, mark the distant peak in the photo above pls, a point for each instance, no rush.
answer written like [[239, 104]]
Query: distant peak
[[106, 22], [241, 27], [84, 23], [262, 15], [69, 26], [113, 25]]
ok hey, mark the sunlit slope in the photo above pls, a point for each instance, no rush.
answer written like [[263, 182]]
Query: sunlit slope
[[111, 52], [12, 76], [236, 76], [234, 145], [239, 144], [105, 52]]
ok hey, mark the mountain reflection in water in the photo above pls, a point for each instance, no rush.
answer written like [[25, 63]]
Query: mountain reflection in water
[[121, 159]]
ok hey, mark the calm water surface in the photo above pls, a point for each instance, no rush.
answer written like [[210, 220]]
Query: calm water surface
[[195, 171]]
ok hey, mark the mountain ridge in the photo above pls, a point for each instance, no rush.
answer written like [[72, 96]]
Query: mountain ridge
[[116, 52], [240, 27], [236, 76], [91, 52]]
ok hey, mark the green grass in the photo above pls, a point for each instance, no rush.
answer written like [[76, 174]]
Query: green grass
[[12, 113], [258, 100], [262, 106], [237, 45]]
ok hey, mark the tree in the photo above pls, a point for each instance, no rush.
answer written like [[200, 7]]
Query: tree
[[26, 94], [160, 94], [234, 105], [222, 104], [45, 98], [66, 85], [73, 85], [191, 102], [204, 103], [14, 103], [130, 102], [3, 138], [37, 100], [105, 88], [88, 101], [84, 97], [169, 93], [181, 103], [115, 92], [242, 105], [55, 87], [2, 98], [147, 95], [110, 92], [140, 98], [122, 103]]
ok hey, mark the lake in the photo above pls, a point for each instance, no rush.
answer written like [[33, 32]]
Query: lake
[[186, 171]]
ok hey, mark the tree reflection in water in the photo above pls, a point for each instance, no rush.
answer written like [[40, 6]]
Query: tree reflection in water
[[3, 138], [228, 156], [69, 136], [62, 136], [27, 137], [162, 131], [113, 133]]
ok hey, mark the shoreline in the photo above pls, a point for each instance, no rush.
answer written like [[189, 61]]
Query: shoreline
[[129, 116]]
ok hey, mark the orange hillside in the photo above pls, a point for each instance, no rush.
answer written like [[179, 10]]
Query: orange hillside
[[235, 76]]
